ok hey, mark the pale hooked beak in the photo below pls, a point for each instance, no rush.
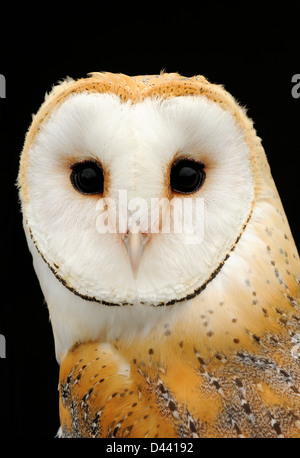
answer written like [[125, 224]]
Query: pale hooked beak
[[135, 244]]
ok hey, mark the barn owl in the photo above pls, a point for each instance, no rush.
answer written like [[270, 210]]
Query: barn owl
[[157, 335]]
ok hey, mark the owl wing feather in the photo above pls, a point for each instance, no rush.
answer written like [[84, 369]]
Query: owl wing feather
[[179, 387]]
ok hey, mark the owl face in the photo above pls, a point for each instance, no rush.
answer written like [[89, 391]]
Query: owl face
[[141, 157], [135, 192]]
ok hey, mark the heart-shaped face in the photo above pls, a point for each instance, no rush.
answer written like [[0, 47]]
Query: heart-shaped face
[[176, 170]]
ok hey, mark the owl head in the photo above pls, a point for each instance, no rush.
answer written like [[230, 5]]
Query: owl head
[[135, 193]]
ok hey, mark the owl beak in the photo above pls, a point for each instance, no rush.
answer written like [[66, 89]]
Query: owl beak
[[135, 244]]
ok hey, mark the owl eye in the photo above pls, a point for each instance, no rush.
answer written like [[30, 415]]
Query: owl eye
[[187, 176], [87, 177]]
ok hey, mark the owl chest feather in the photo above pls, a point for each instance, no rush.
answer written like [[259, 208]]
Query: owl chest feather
[[193, 380], [250, 392]]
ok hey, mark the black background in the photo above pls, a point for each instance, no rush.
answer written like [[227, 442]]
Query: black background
[[258, 77]]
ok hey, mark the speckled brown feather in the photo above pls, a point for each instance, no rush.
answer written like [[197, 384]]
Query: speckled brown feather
[[229, 367], [187, 381]]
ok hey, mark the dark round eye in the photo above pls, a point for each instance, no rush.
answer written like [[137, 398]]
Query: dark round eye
[[187, 176], [87, 177]]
